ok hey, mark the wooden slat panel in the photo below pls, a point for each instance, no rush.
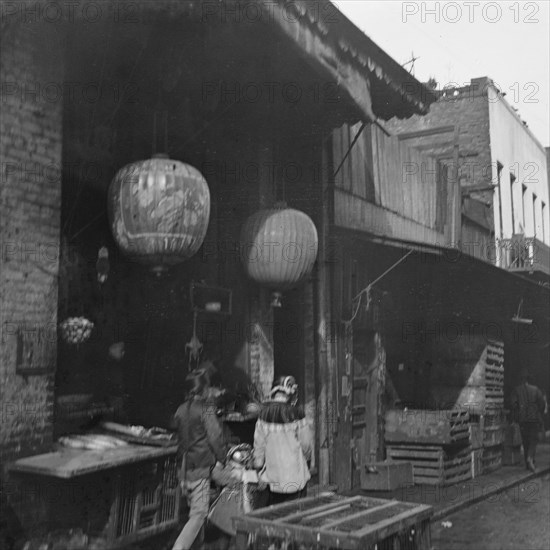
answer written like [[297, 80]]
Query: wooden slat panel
[[386, 518], [410, 187], [375, 164], [336, 146], [362, 513], [386, 176], [352, 213], [358, 163], [349, 161], [318, 511]]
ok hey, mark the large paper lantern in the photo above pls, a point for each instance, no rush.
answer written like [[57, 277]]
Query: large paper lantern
[[159, 211], [279, 248]]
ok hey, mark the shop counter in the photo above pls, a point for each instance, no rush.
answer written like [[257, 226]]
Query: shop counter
[[116, 496], [69, 463]]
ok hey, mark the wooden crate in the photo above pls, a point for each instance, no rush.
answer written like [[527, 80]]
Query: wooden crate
[[434, 465], [476, 463], [438, 427], [386, 476], [479, 399], [485, 386], [146, 501], [334, 521], [493, 417], [493, 435], [476, 436], [495, 348], [491, 458]]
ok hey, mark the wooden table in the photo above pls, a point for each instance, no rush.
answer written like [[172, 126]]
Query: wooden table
[[116, 495], [68, 463], [334, 521]]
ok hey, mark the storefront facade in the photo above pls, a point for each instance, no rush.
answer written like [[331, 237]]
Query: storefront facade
[[89, 95]]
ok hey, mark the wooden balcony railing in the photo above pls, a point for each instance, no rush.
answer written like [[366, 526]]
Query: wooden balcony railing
[[525, 254]]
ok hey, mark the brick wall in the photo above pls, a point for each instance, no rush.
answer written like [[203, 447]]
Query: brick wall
[[469, 110], [30, 195]]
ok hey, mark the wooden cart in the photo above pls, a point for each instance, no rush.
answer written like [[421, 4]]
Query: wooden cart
[[333, 521]]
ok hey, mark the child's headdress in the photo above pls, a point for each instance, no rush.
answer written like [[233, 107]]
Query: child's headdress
[[286, 384]]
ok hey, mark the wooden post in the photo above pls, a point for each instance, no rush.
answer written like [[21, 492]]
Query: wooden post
[[323, 319], [457, 195], [381, 386], [375, 409]]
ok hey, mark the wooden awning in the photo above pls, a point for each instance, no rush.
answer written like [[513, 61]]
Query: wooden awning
[[378, 85], [374, 82]]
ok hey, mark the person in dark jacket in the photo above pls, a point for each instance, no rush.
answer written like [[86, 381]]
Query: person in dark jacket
[[528, 407], [200, 447]]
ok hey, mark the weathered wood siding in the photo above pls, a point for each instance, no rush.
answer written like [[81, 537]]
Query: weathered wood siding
[[386, 187]]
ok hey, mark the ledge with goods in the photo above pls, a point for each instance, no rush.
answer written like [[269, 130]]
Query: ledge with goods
[[69, 463]]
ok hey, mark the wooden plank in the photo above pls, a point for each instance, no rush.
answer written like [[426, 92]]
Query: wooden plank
[[337, 155], [397, 453], [425, 133], [348, 164], [359, 164], [375, 163], [361, 514], [366, 184], [381, 529], [70, 463], [306, 535], [389, 179], [319, 510], [409, 189], [368, 217], [383, 160]]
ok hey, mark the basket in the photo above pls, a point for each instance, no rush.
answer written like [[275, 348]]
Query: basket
[[76, 330]]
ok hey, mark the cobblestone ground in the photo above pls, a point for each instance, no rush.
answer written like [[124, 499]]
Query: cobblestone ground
[[517, 519]]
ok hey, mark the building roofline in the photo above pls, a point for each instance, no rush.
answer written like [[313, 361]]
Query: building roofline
[[371, 56], [477, 88]]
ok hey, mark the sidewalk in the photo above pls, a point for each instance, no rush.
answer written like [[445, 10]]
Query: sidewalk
[[447, 500]]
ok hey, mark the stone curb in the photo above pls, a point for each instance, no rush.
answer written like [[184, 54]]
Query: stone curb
[[452, 508]]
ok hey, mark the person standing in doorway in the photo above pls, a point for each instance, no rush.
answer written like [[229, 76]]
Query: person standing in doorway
[[283, 443], [200, 447], [528, 407]]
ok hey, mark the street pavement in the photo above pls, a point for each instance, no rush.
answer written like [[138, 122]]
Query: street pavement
[[447, 500], [508, 509], [517, 518]]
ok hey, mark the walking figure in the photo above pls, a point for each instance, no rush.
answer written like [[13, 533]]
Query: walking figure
[[528, 406]]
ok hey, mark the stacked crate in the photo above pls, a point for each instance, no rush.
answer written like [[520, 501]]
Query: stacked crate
[[476, 444], [436, 443], [494, 375], [486, 440], [485, 401], [492, 426], [493, 420], [147, 501]]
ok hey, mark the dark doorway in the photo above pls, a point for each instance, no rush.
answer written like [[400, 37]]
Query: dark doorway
[[288, 335]]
